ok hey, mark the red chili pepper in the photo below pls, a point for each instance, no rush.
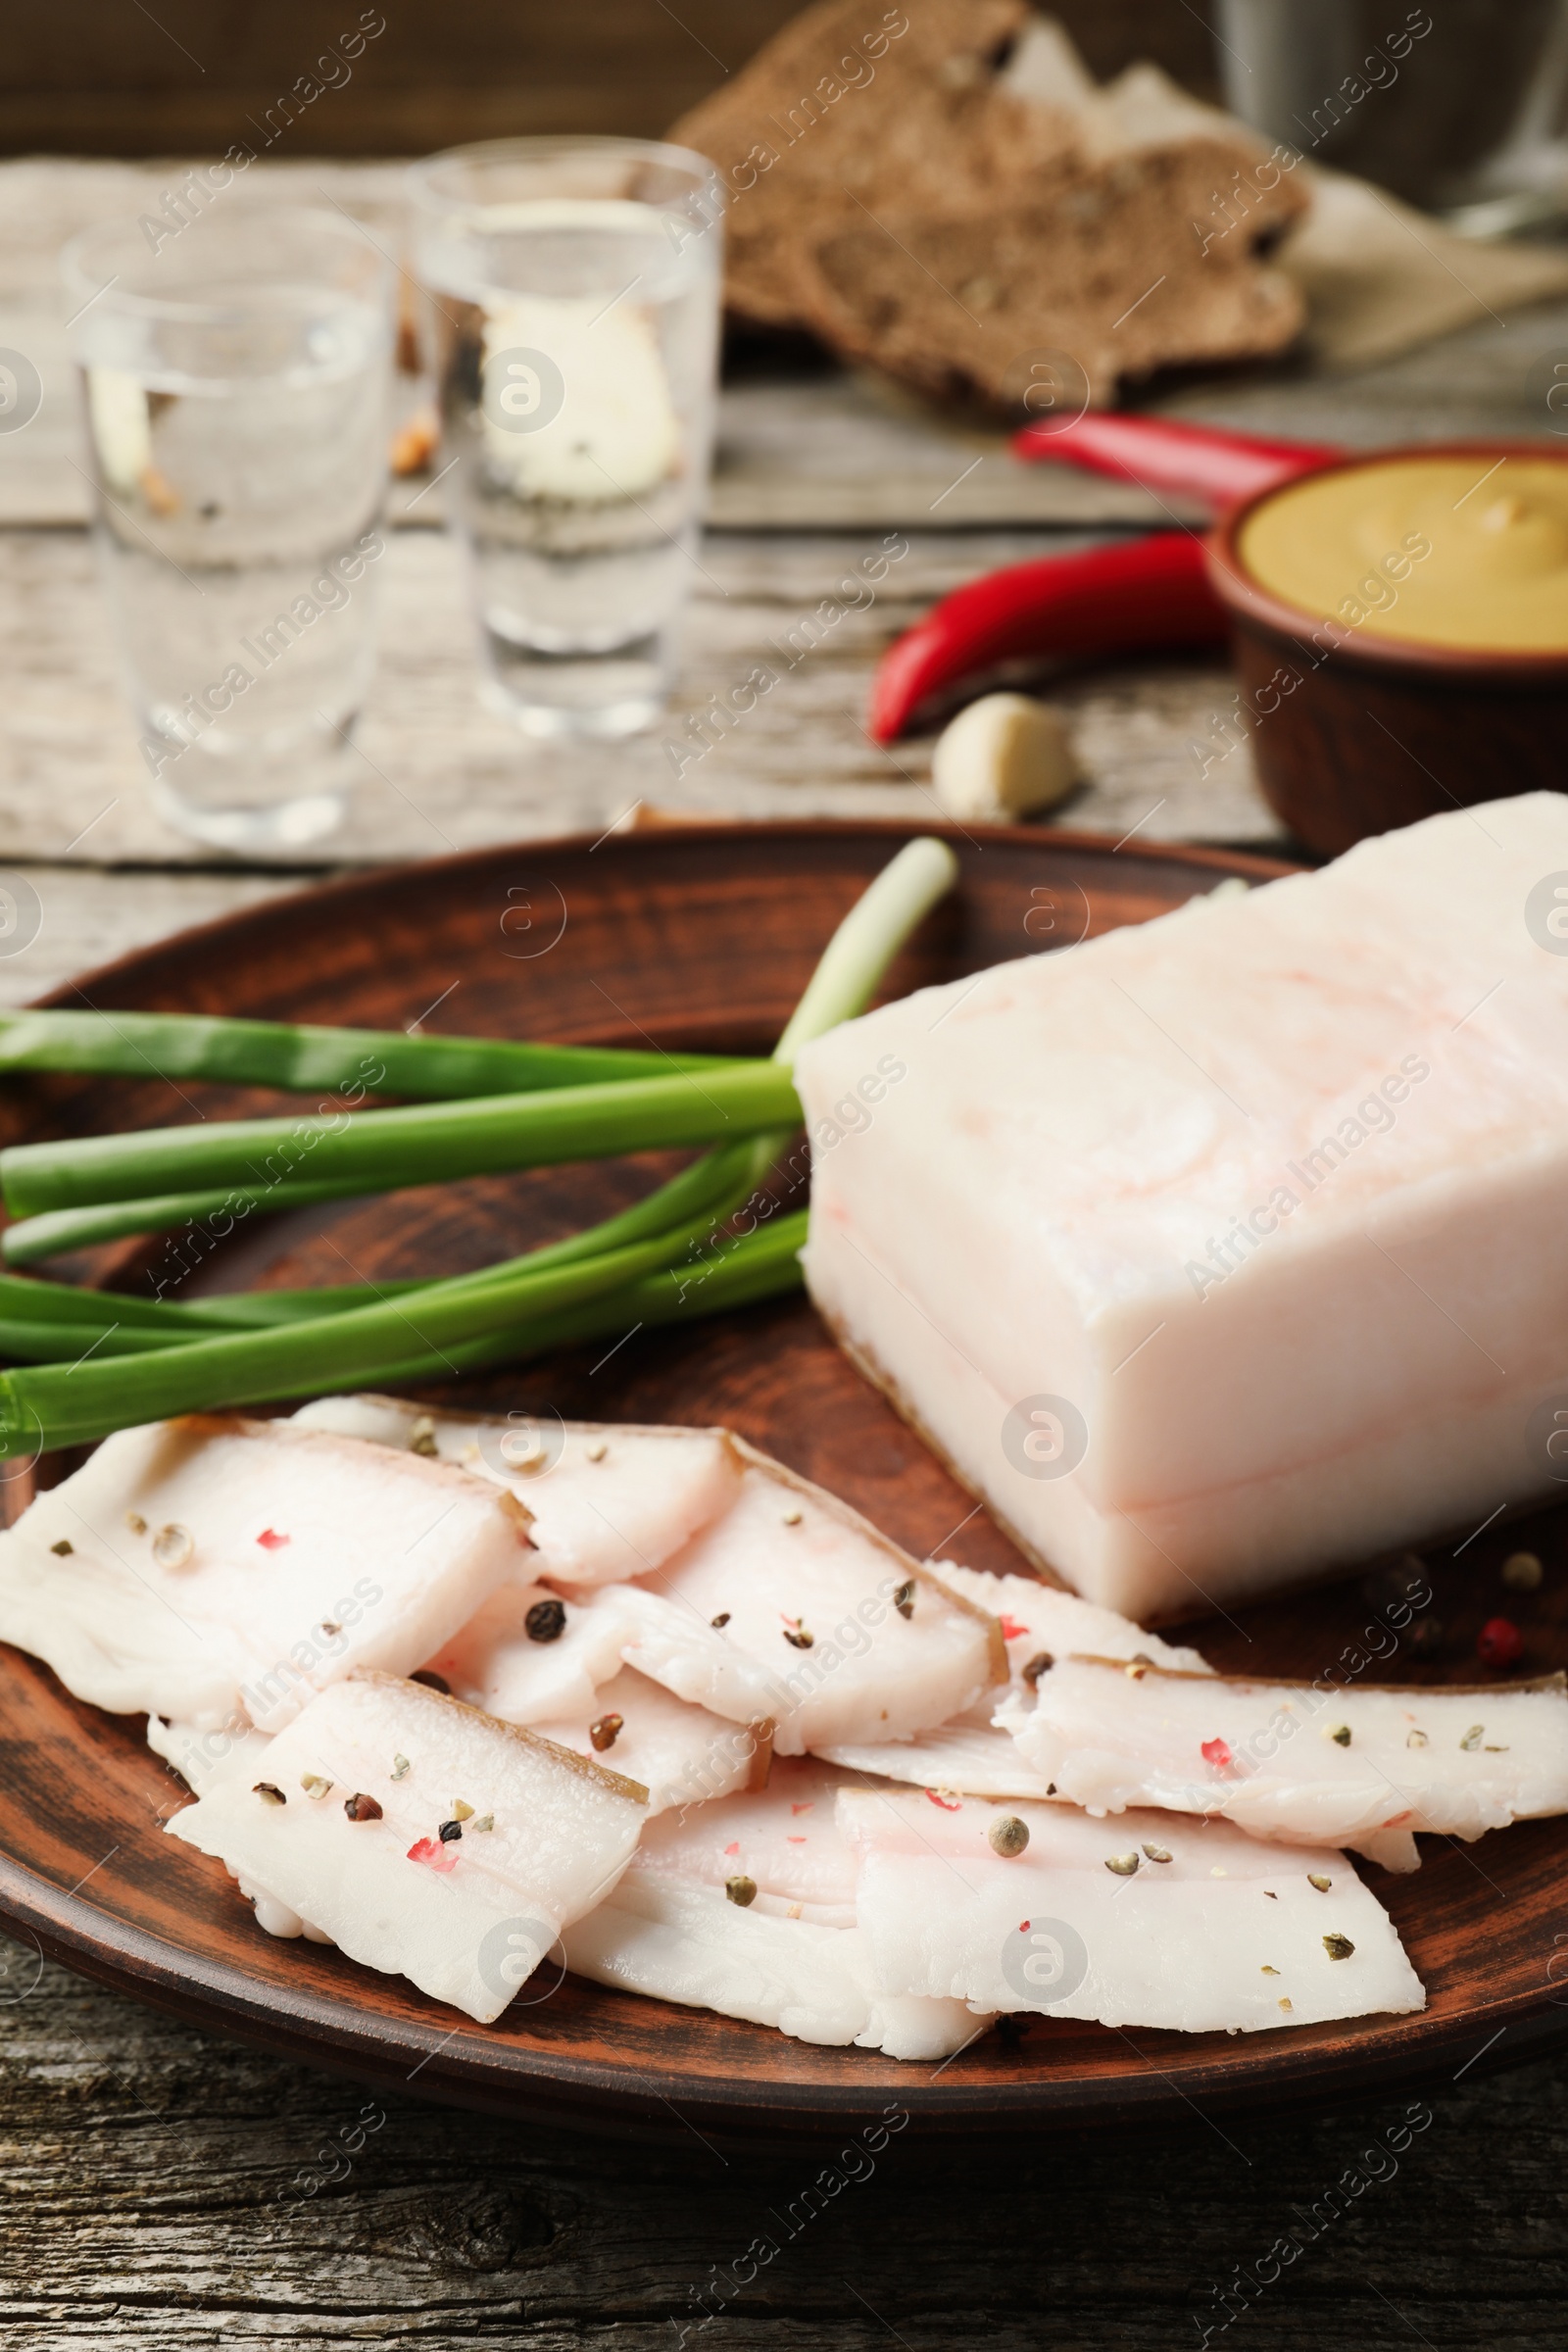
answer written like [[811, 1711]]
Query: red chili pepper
[[1194, 460], [1103, 600], [1499, 1641], [1217, 1753]]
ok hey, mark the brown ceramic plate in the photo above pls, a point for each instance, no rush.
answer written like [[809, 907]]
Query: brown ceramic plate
[[699, 937]]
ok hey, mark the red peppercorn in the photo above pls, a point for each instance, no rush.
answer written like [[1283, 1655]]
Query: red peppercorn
[[1499, 1641]]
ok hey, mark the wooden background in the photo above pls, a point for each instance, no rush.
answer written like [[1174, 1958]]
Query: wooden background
[[157, 2187], [113, 78], [156, 2197]]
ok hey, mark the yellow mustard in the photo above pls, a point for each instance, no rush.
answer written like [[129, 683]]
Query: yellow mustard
[[1458, 551]]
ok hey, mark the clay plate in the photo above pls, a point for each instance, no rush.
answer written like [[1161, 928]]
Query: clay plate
[[698, 936]]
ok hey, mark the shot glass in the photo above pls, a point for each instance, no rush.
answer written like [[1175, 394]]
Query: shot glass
[[236, 375], [572, 295]]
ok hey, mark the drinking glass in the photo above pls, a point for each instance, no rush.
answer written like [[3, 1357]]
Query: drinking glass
[[1457, 108], [236, 374], [573, 292]]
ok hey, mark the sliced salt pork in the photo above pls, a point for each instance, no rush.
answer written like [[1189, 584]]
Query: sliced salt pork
[[529, 1653], [1295, 1761], [780, 1847], [795, 1606], [1228, 1246], [218, 1570], [203, 1758], [607, 1501], [1039, 1623], [681, 1942], [1145, 1921], [681, 1753], [421, 1837]]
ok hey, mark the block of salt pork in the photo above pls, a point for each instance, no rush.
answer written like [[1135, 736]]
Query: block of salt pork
[[1147, 1921], [218, 1570], [793, 1606], [1301, 1764], [1040, 1624], [746, 1906], [420, 1836], [607, 1501], [1228, 1245]]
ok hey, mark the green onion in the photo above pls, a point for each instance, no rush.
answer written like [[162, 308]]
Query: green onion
[[61, 1342], [26, 1300], [69, 1404], [842, 986], [428, 1144], [856, 958], [29, 1300], [616, 1277], [762, 1265], [757, 1267], [300, 1059], [61, 1230]]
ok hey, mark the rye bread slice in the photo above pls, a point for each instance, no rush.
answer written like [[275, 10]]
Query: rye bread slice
[[895, 193], [843, 106]]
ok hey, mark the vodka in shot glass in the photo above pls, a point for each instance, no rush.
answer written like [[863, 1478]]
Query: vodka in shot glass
[[572, 303], [236, 377]]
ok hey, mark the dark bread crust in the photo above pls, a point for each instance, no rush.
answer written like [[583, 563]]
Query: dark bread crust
[[917, 215]]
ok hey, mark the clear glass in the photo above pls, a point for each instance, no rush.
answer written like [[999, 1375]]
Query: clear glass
[[1457, 108], [572, 294], [236, 377]]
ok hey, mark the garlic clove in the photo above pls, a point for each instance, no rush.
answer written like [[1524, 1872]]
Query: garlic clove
[[1005, 755]]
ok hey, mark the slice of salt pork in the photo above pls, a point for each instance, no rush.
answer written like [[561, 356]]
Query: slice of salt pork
[[784, 1839], [794, 1606], [746, 1906], [1227, 1247], [1145, 1921], [421, 1837], [676, 1942], [1364, 1767], [607, 1501], [528, 1654], [218, 1571], [204, 1757], [1039, 1623], [682, 1754]]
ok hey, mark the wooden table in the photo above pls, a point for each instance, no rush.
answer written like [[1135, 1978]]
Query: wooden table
[[159, 2186]]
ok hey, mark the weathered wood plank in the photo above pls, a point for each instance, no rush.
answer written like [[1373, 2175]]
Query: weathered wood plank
[[88, 916], [437, 771], [158, 2196]]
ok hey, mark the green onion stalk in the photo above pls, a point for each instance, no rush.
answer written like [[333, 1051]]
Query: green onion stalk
[[304, 1061], [379, 1151], [160, 1357]]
